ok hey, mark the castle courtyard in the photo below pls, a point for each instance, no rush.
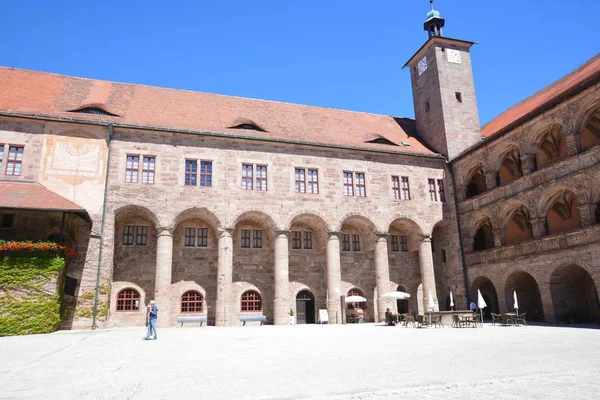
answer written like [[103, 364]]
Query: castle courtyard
[[362, 361]]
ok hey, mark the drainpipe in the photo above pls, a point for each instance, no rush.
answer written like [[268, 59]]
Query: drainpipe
[[460, 239], [110, 133]]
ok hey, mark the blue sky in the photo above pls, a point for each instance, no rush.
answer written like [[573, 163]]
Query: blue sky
[[338, 54]]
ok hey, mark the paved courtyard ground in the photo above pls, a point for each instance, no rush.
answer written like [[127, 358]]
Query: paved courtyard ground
[[305, 362]]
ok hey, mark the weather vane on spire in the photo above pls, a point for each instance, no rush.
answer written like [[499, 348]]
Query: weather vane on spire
[[431, 4]]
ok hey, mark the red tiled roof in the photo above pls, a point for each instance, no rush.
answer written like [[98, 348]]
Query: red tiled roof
[[33, 196], [530, 106], [53, 96]]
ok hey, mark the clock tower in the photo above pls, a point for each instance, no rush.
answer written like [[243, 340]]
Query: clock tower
[[443, 91]]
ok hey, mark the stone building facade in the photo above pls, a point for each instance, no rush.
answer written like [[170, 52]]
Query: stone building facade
[[228, 207]]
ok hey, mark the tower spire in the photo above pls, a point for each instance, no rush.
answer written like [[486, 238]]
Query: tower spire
[[434, 22]]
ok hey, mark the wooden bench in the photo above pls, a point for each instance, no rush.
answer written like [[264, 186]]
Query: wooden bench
[[198, 318], [250, 318]]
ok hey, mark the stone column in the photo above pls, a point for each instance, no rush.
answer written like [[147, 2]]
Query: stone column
[[334, 278], [282, 279], [224, 278], [427, 273], [382, 270], [573, 143], [528, 164], [162, 279], [538, 227], [498, 237], [490, 179], [585, 216]]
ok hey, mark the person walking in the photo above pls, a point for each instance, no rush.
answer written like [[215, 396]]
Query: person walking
[[152, 316]]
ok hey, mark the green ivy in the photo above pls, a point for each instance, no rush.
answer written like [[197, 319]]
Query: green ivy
[[27, 307]]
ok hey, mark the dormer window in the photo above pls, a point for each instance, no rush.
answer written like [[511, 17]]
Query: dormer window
[[381, 140], [247, 125], [94, 111]]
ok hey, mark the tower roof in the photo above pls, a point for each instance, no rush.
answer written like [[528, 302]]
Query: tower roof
[[433, 14]]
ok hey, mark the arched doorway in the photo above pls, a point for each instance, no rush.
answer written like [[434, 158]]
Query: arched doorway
[[488, 291], [574, 295], [305, 308], [402, 304], [528, 295]]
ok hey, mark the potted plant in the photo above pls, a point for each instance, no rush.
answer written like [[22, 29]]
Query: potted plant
[[292, 316]]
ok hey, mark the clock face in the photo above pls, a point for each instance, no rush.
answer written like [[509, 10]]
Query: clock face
[[453, 56], [422, 65]]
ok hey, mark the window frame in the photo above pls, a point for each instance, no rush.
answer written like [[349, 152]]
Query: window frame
[[348, 186], [150, 170], [129, 233], [307, 240], [405, 189], [346, 242], [247, 179], [1, 157], [128, 300], [257, 239], [394, 243], [131, 168], [360, 188], [432, 190], [250, 301], [441, 190], [355, 242], [261, 177], [191, 174], [141, 238], [206, 173], [403, 243], [198, 299], [189, 236], [202, 238], [16, 161], [245, 238], [396, 187], [296, 240]]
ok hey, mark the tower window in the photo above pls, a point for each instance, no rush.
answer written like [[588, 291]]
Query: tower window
[[458, 96], [427, 106]]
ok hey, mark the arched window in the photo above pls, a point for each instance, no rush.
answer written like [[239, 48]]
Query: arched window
[[510, 168], [484, 238], [356, 306], [477, 184], [563, 215], [128, 300], [591, 133], [552, 147], [251, 301], [191, 301]]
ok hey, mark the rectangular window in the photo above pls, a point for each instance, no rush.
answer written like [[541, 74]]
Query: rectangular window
[[261, 177], [348, 184], [296, 240], [405, 188], [432, 191], [141, 236], [1, 155], [300, 178], [345, 242], [394, 239], [308, 240], [458, 96], [7, 220], [202, 237], [313, 181], [246, 238], [404, 243], [247, 177], [128, 233], [14, 161], [440, 183], [206, 173], [355, 243], [190, 237], [257, 239], [396, 186], [148, 167], [131, 169], [360, 185], [191, 172]]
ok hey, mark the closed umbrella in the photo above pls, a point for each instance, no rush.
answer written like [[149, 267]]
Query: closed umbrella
[[355, 299], [481, 304], [516, 303], [451, 300], [430, 305]]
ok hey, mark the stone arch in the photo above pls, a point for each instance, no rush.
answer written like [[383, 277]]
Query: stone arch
[[178, 289], [550, 145], [241, 287], [574, 294], [198, 212], [313, 215], [409, 228], [516, 223], [357, 218], [488, 291], [588, 123], [563, 261], [256, 217], [483, 237], [509, 164], [559, 205], [308, 222], [475, 181], [525, 283], [132, 210], [127, 318]]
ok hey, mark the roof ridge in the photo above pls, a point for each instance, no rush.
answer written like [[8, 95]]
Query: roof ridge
[[200, 92], [544, 89]]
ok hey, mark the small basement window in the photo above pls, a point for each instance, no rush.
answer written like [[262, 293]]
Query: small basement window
[[93, 111]]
